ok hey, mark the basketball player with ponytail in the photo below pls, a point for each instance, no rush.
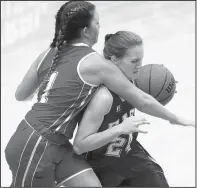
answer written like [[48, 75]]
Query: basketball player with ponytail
[[105, 133], [73, 78]]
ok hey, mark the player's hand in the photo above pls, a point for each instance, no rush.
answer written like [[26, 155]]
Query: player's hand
[[131, 125], [183, 122]]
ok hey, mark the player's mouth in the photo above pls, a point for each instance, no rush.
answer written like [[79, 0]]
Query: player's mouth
[[136, 71]]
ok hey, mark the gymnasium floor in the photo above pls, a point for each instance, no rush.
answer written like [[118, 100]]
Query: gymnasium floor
[[168, 30]]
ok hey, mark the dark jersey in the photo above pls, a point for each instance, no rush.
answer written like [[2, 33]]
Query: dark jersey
[[45, 63], [64, 94], [120, 110], [124, 161]]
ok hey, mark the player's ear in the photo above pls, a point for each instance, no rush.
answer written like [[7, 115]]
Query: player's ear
[[114, 59], [85, 32]]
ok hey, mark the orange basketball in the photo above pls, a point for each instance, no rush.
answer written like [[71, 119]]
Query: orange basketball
[[157, 81]]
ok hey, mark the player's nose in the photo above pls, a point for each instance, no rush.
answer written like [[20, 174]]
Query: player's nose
[[138, 67]]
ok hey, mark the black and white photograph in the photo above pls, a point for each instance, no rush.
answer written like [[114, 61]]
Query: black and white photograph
[[98, 94]]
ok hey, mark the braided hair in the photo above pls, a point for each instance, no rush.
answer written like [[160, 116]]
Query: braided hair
[[52, 45], [72, 17], [76, 16], [57, 23]]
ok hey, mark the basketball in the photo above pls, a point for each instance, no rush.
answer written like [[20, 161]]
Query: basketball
[[157, 81]]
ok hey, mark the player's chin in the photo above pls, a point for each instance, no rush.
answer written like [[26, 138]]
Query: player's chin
[[95, 40]]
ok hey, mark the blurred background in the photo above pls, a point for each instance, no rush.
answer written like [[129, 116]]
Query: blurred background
[[168, 30]]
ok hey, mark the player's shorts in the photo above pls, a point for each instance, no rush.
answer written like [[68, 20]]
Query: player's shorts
[[34, 161], [137, 168]]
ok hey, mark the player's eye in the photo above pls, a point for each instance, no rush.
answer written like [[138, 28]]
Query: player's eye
[[134, 61]]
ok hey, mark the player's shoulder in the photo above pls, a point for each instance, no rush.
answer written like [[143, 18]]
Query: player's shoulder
[[103, 99], [44, 53], [94, 63], [95, 59], [95, 68], [100, 59]]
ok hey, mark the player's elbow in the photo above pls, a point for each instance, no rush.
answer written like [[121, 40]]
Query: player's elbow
[[23, 95], [19, 97], [140, 104], [143, 106], [146, 102], [77, 149]]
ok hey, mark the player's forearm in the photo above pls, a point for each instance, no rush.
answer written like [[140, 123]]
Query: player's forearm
[[154, 108], [147, 104], [97, 140]]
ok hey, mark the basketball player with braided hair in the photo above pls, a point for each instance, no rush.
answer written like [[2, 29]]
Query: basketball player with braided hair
[[113, 151], [44, 163], [74, 77]]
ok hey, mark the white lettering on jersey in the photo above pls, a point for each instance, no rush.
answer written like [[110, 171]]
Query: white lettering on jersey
[[116, 146]]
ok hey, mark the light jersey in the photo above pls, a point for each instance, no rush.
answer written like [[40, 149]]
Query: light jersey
[[64, 95], [120, 110]]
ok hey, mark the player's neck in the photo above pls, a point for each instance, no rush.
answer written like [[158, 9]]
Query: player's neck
[[81, 41]]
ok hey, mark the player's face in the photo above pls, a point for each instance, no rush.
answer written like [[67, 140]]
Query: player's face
[[93, 29], [131, 62]]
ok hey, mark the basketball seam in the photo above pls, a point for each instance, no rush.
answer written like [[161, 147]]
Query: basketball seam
[[150, 80], [167, 97], [163, 85]]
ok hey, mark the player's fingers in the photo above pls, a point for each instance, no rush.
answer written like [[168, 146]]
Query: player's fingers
[[142, 123], [138, 118], [141, 131], [192, 125]]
